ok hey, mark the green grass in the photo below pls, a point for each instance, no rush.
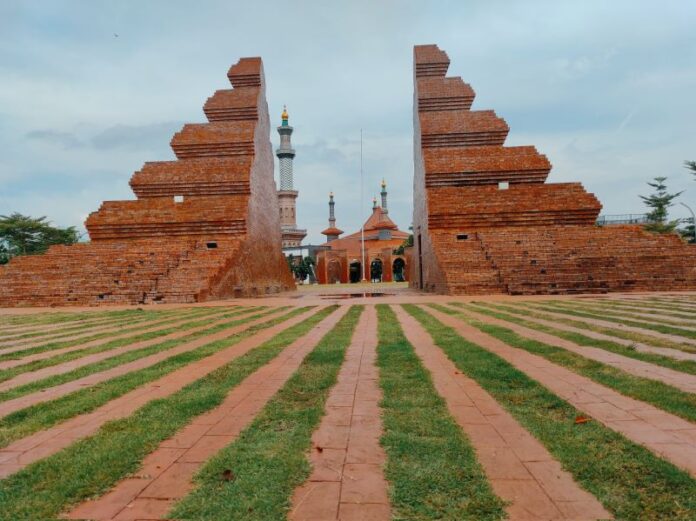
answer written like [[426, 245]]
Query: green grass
[[642, 306], [59, 344], [598, 309], [44, 415], [667, 330], [654, 392], [431, 466], [684, 366], [269, 457], [89, 467], [669, 305], [628, 479], [75, 329], [129, 356], [182, 325], [521, 309], [37, 319]]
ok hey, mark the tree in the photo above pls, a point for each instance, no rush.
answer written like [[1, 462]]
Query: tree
[[24, 235], [691, 165], [300, 267], [408, 242], [660, 201]]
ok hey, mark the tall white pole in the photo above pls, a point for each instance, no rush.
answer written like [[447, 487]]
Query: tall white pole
[[362, 227]]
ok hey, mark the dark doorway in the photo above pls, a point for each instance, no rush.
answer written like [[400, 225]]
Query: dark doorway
[[376, 270], [398, 269], [354, 272]]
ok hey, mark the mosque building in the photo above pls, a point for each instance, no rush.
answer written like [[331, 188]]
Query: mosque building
[[342, 258]]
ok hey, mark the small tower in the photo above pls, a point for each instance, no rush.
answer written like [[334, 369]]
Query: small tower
[[383, 193], [332, 232], [287, 195]]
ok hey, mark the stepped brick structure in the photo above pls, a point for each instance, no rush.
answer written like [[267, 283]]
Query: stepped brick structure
[[485, 220], [202, 227]]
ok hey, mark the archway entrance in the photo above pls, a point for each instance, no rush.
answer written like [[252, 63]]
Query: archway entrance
[[376, 270], [334, 272], [398, 270], [354, 272]]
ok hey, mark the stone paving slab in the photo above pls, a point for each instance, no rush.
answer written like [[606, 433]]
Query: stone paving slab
[[666, 435], [167, 472], [520, 469], [41, 444], [71, 365], [683, 381], [347, 480], [643, 348]]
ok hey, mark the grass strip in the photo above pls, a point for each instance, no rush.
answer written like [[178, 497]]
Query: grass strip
[[684, 366], [41, 416], [666, 304], [642, 306], [269, 457], [431, 466], [89, 467], [621, 313], [667, 330], [654, 392], [627, 478], [521, 309], [6, 374], [58, 317], [130, 356], [74, 329], [50, 346]]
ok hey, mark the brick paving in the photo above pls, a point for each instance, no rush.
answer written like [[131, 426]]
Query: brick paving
[[615, 325], [347, 480], [25, 451], [643, 348], [71, 365], [167, 472], [667, 435], [519, 468], [683, 381]]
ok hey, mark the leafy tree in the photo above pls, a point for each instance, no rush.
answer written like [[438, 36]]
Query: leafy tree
[[408, 242], [691, 165], [660, 201], [300, 267], [24, 235]]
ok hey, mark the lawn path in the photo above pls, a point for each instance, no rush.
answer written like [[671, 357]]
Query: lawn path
[[683, 381], [11, 333], [665, 434], [651, 318], [167, 472], [643, 348], [558, 312], [21, 453], [520, 469], [347, 480], [31, 376], [643, 308]]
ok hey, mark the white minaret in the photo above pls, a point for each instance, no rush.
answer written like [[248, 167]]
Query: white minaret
[[287, 195]]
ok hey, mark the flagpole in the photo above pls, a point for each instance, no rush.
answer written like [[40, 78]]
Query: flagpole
[[362, 227]]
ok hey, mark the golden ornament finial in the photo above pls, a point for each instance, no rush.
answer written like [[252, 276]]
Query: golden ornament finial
[[284, 115], [384, 183]]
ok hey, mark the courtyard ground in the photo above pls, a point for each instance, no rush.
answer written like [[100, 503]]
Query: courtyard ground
[[365, 401]]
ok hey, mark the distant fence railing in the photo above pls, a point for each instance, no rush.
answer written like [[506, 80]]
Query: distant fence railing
[[628, 218]]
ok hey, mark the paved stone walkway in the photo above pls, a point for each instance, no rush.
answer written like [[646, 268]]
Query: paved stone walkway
[[21, 453], [643, 348], [57, 391], [347, 480], [166, 474], [667, 435], [689, 343], [656, 313], [650, 318], [71, 365], [519, 468], [8, 333], [683, 381]]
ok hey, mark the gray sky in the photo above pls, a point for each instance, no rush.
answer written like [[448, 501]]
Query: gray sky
[[604, 89]]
